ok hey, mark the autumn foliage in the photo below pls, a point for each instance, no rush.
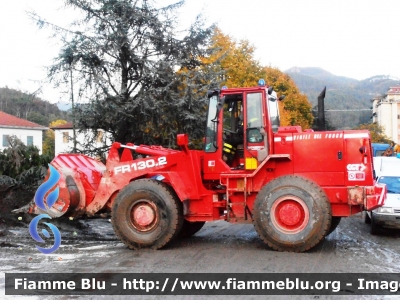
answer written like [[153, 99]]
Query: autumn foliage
[[49, 138], [241, 69], [377, 132], [295, 109]]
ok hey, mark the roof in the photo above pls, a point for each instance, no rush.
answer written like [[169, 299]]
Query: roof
[[379, 146], [63, 126], [393, 90], [387, 166], [10, 121]]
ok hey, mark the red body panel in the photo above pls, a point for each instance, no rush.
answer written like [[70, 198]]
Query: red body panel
[[340, 162]]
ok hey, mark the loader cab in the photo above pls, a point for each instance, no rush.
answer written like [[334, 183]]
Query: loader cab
[[239, 130]]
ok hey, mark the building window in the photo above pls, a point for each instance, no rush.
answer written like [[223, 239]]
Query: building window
[[6, 142], [99, 137], [65, 137], [29, 140]]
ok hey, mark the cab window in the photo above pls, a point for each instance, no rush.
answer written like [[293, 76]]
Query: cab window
[[210, 142], [254, 118]]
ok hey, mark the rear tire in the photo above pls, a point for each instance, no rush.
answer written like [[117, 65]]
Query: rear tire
[[190, 228], [292, 213], [334, 223], [146, 214]]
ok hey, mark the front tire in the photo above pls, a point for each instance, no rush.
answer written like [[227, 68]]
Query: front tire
[[190, 228], [292, 213], [146, 214]]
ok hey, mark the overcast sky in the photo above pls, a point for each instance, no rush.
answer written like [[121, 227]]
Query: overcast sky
[[352, 38]]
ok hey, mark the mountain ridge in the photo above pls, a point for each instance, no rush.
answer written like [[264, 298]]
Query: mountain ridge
[[350, 95]]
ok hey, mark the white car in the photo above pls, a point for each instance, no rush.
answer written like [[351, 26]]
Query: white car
[[387, 170]]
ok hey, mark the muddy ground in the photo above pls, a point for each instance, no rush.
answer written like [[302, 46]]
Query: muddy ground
[[90, 245]]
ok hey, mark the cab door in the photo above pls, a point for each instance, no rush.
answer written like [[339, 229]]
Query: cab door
[[255, 137]]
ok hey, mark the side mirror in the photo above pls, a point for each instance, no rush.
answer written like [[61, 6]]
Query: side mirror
[[273, 96], [182, 140], [211, 93], [282, 97]]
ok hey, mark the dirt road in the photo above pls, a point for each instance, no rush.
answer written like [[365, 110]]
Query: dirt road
[[220, 247]]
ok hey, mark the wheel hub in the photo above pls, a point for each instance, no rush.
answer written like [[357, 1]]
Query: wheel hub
[[290, 214], [144, 216]]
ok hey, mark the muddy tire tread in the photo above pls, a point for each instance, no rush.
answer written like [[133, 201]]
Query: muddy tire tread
[[325, 207], [175, 207]]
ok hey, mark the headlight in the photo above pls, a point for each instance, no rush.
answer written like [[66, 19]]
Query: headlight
[[385, 210]]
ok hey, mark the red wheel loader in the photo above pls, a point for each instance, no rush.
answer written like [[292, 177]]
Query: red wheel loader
[[293, 185]]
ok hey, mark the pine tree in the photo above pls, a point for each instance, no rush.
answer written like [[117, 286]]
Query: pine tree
[[143, 83]]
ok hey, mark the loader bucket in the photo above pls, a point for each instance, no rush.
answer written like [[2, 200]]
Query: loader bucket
[[80, 176]]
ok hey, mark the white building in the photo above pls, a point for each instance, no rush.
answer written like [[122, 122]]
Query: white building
[[28, 132], [63, 137], [386, 111]]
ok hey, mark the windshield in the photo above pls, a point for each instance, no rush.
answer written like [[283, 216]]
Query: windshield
[[392, 183]]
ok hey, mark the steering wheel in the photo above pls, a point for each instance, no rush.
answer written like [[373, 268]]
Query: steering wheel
[[230, 131]]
